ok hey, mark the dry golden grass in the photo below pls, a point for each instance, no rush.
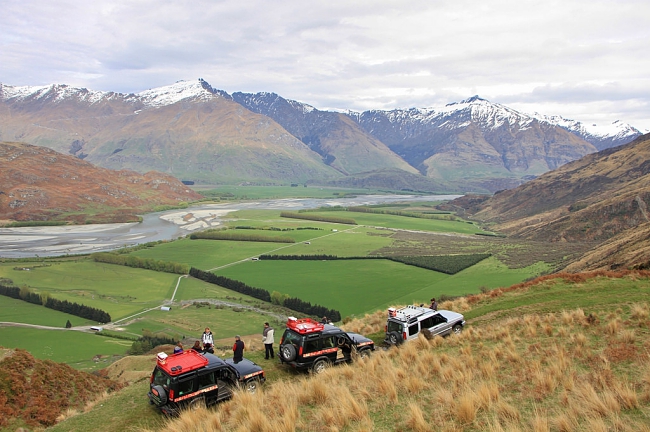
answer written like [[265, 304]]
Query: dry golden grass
[[551, 372]]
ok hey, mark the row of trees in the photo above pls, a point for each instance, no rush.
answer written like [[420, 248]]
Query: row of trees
[[449, 264], [231, 284], [313, 310], [319, 218], [293, 303], [144, 263], [76, 309], [223, 235]]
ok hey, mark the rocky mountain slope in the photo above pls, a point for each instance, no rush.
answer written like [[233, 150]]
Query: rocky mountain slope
[[195, 132], [602, 197], [39, 184]]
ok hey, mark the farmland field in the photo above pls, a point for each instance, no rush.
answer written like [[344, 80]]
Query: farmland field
[[356, 287], [353, 287], [118, 290]]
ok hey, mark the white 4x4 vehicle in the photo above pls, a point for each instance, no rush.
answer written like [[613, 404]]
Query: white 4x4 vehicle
[[406, 323]]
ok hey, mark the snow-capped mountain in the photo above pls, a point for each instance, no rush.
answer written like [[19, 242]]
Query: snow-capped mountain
[[205, 134], [601, 136]]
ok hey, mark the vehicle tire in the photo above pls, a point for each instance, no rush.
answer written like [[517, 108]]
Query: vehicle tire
[[457, 329], [252, 385], [288, 352], [197, 404], [319, 366], [364, 354], [159, 395], [395, 338]]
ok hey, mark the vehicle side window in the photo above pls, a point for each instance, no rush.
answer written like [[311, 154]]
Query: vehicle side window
[[427, 323], [329, 342], [414, 329], [206, 380], [311, 345], [438, 319], [186, 386]]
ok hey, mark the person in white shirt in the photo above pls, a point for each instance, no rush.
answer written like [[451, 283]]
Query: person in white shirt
[[267, 339], [208, 340]]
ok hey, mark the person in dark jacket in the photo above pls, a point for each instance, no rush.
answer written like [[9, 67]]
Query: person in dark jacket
[[238, 350], [197, 347], [434, 304]]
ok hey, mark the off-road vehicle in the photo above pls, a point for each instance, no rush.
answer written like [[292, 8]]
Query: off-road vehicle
[[191, 379], [307, 344], [406, 323]]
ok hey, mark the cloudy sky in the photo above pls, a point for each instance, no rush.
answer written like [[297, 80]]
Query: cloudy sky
[[584, 60]]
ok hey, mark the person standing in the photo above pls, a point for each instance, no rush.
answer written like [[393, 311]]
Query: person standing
[[434, 304], [207, 339], [268, 340], [238, 350]]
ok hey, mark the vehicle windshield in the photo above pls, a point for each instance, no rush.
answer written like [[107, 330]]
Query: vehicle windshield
[[394, 326], [161, 378]]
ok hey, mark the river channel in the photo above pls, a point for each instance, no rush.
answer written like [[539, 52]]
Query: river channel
[[30, 242]]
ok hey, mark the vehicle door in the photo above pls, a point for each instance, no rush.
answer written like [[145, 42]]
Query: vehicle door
[[185, 386], [312, 348], [227, 381], [439, 326], [208, 386], [413, 330]]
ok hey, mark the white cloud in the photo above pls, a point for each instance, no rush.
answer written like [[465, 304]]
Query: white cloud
[[587, 58]]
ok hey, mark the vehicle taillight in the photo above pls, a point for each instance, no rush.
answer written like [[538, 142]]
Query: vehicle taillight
[[300, 351], [171, 394], [404, 335], [386, 329]]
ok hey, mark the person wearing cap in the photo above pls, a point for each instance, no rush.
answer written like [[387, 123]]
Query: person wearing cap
[[238, 350]]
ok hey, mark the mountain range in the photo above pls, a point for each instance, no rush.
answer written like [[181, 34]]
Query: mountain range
[[193, 131]]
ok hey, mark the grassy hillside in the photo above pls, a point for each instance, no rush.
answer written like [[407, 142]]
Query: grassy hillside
[[560, 353]]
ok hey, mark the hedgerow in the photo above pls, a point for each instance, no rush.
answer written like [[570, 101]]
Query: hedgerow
[[222, 235], [137, 262], [319, 218]]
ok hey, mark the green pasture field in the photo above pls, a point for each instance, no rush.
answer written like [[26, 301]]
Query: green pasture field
[[353, 287], [210, 254], [269, 192], [356, 287], [116, 289], [489, 274], [404, 222], [75, 348], [12, 310]]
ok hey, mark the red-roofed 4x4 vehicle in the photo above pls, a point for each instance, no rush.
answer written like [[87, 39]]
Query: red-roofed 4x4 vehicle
[[307, 344], [191, 379]]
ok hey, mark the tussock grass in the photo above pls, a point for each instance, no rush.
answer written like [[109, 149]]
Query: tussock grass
[[563, 370]]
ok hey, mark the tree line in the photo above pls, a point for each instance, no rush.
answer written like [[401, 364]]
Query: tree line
[[144, 263], [293, 303], [221, 235], [318, 218], [76, 309], [449, 264]]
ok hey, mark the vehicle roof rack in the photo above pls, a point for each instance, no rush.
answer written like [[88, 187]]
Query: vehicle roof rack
[[186, 361], [407, 312], [304, 325]]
